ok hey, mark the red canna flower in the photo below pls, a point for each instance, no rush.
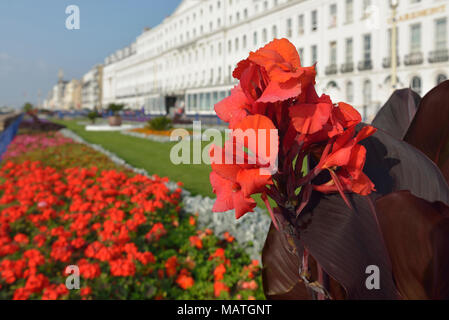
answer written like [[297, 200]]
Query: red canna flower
[[234, 179], [274, 73], [345, 164]]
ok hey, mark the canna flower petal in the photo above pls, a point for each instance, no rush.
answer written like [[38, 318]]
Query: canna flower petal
[[233, 109], [310, 118]]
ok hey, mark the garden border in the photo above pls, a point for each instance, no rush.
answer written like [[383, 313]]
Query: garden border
[[250, 231]]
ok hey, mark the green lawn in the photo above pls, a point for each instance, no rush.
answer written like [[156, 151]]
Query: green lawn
[[152, 156]]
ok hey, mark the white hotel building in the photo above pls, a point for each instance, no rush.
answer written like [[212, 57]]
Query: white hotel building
[[189, 57]]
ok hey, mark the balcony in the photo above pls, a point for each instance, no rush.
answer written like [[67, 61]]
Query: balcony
[[387, 62], [347, 67], [413, 59], [365, 65], [439, 56], [331, 69]]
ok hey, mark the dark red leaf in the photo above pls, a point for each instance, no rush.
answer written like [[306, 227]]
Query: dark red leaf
[[429, 131], [416, 234], [280, 262], [346, 242], [397, 114]]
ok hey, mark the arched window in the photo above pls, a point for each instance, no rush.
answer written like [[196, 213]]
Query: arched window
[[275, 32], [264, 35], [441, 78], [416, 84], [366, 97], [350, 91]]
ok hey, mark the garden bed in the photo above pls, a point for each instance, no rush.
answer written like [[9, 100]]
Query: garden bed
[[63, 203]]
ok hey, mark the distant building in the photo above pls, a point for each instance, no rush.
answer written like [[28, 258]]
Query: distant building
[[55, 99], [190, 56], [91, 92], [72, 95]]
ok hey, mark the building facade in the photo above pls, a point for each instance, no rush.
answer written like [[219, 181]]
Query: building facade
[[72, 95], [188, 59], [91, 88]]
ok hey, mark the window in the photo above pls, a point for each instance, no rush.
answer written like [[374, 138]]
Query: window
[[367, 47], [245, 13], [349, 11], [274, 32], [416, 84], [314, 54], [366, 97], [441, 34], [236, 44], [349, 50], [333, 53], [441, 78], [244, 42], [415, 38], [264, 35], [301, 54], [289, 27], [349, 92], [301, 24], [229, 46], [365, 7], [333, 15], [255, 38], [314, 20]]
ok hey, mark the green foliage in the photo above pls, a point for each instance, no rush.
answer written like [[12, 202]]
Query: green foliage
[[160, 124], [93, 115], [27, 107], [115, 107]]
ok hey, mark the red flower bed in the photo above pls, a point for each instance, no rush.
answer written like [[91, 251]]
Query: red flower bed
[[124, 232]]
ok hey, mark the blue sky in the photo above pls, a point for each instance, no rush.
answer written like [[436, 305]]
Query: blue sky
[[34, 42]]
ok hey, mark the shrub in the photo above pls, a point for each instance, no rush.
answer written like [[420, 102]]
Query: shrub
[[115, 108], [92, 115], [160, 124]]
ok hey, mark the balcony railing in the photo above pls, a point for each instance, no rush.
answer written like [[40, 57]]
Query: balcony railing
[[365, 65], [439, 56], [387, 62], [413, 59], [331, 69], [347, 67]]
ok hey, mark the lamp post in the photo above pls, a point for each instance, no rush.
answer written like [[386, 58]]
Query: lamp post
[[394, 62]]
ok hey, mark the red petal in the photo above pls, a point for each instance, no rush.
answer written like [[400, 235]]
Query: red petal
[[242, 205], [310, 118], [252, 181], [264, 149], [232, 106], [223, 189], [347, 115]]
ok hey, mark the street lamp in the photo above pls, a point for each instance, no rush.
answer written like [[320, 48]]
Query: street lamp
[[394, 6]]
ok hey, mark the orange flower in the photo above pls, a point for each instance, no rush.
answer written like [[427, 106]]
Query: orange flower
[[234, 183], [228, 237], [170, 266], [196, 242], [185, 282], [219, 288], [219, 272]]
